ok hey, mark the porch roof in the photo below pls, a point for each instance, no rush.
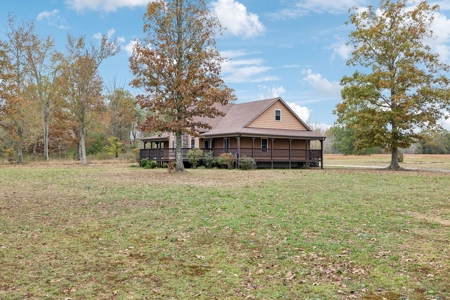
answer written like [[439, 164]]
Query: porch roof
[[265, 132], [157, 138]]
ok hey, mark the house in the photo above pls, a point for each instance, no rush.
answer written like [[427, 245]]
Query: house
[[267, 130]]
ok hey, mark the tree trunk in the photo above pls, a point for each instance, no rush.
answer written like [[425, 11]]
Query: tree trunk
[[19, 145], [394, 160], [179, 153], [83, 146], [46, 141]]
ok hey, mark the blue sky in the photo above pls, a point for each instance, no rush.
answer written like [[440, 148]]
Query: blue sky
[[294, 49]]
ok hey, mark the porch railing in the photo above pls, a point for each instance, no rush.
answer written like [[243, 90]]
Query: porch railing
[[258, 154]]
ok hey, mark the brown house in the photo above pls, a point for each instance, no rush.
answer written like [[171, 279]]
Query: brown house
[[267, 130]]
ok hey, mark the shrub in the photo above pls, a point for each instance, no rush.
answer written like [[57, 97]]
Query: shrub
[[194, 155], [227, 159], [208, 159], [247, 163], [144, 162], [114, 147], [216, 162], [151, 165], [400, 157]]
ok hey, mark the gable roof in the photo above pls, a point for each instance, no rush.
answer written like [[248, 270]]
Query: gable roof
[[239, 116]]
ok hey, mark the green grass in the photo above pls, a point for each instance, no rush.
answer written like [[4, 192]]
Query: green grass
[[411, 161], [116, 232]]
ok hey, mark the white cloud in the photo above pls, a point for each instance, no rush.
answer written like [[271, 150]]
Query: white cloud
[[109, 34], [301, 111], [273, 92], [304, 7], [121, 39], [342, 49], [321, 85], [331, 7], [130, 46], [97, 36], [53, 19], [104, 5], [441, 30], [47, 15], [234, 17], [242, 69]]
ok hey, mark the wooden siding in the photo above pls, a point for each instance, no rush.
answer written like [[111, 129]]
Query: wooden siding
[[186, 141], [267, 119]]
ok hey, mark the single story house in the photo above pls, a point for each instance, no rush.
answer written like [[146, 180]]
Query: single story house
[[268, 130]]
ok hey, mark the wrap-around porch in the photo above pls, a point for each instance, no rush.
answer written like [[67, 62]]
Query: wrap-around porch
[[267, 152]]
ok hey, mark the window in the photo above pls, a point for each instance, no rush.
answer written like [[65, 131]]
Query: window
[[173, 144], [277, 114], [192, 142], [206, 144], [264, 144], [226, 144]]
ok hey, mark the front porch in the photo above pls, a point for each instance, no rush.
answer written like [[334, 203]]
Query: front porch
[[263, 156]]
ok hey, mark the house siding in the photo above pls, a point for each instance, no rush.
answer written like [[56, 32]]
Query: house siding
[[267, 119]]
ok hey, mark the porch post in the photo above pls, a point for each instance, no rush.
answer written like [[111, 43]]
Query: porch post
[[290, 142], [307, 153], [321, 154], [253, 147], [238, 151], [145, 144], [210, 144], [271, 153]]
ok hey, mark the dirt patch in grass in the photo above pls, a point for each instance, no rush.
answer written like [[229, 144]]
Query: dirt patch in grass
[[431, 218]]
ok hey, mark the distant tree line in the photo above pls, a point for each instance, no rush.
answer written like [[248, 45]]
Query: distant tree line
[[341, 140], [56, 104]]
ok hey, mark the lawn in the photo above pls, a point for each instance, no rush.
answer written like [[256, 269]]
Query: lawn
[[411, 161], [112, 231]]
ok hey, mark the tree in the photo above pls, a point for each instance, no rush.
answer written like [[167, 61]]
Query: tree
[[121, 110], [434, 142], [178, 66], [405, 88], [82, 82], [15, 104], [43, 73], [344, 141]]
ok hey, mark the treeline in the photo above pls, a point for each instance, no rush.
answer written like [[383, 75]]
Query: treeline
[[56, 104], [343, 141]]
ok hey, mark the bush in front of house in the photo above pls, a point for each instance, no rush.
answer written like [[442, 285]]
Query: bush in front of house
[[152, 165], [148, 164], [247, 163], [208, 159], [227, 159], [144, 162], [194, 156]]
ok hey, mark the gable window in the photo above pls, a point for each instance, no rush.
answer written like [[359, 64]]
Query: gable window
[[264, 144], [277, 114], [192, 142]]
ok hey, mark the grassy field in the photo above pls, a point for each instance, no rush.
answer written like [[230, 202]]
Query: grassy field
[[411, 161], [112, 231]]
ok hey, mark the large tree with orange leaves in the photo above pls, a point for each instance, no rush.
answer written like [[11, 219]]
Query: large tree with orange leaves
[[404, 88], [178, 66]]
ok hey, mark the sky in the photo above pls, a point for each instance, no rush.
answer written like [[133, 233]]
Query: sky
[[293, 49]]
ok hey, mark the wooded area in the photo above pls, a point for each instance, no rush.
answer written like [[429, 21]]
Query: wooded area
[[56, 103]]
